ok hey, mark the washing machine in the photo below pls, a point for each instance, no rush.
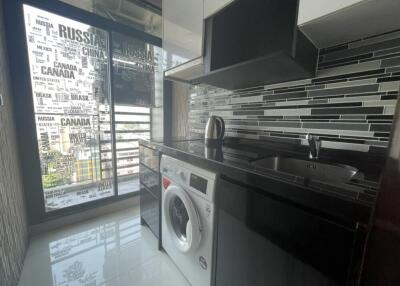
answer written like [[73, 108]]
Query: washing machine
[[188, 218]]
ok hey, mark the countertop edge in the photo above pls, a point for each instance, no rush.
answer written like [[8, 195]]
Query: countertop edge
[[351, 212]]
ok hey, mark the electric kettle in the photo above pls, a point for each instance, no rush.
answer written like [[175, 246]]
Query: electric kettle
[[214, 132]]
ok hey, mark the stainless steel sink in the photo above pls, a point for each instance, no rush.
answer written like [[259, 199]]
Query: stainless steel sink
[[309, 169]]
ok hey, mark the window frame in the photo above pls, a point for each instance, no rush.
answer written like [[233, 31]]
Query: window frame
[[24, 108]]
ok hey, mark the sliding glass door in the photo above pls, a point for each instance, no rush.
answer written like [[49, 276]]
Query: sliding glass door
[[89, 115], [136, 74]]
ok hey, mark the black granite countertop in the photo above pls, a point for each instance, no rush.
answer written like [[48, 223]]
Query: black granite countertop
[[347, 202]]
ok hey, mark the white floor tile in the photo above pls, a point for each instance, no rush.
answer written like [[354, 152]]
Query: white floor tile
[[113, 250], [123, 280], [159, 271]]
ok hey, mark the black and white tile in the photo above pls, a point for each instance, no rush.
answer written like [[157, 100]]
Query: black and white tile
[[349, 104]]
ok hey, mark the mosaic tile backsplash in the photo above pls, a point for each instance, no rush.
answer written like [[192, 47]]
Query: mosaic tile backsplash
[[349, 104]]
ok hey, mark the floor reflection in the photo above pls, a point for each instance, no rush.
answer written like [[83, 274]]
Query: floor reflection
[[82, 258], [111, 250]]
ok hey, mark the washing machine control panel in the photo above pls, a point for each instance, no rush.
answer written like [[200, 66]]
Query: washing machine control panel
[[190, 177], [198, 183]]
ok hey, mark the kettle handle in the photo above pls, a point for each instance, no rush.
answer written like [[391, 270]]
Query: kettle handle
[[222, 127]]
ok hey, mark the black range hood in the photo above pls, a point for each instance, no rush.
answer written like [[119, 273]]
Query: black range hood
[[256, 42]]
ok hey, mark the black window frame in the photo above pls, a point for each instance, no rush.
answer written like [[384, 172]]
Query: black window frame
[[23, 100]]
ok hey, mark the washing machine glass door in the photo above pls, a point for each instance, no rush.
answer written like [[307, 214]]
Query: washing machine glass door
[[182, 219]]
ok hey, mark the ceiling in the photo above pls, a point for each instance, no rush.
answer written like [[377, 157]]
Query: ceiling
[[141, 14]]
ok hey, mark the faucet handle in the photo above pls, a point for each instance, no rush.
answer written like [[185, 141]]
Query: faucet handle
[[312, 137], [315, 144]]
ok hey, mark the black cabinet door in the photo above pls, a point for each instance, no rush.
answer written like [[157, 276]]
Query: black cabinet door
[[150, 210], [262, 240], [150, 179]]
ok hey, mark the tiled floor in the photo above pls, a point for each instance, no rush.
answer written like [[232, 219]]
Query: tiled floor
[[113, 250]]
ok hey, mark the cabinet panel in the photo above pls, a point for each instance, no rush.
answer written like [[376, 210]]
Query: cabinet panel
[[182, 31], [150, 210], [149, 157], [261, 238], [150, 179]]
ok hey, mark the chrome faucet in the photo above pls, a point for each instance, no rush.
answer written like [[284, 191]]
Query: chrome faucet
[[315, 145]]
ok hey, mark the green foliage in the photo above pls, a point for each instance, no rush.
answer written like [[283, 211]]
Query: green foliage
[[53, 180], [58, 172]]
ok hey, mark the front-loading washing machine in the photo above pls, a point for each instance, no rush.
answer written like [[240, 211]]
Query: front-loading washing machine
[[188, 218]]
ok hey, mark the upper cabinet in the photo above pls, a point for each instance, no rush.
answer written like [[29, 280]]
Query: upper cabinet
[[213, 6], [311, 9], [219, 43], [329, 23], [182, 31]]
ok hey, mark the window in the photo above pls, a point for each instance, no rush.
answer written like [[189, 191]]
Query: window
[[69, 76], [131, 124], [137, 71], [82, 143]]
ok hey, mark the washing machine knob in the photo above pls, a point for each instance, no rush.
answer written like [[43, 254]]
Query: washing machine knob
[[182, 175]]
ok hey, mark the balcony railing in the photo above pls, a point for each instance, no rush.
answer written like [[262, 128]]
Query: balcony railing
[[131, 124]]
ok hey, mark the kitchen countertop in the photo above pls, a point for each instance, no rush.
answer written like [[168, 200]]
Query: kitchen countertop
[[347, 203]]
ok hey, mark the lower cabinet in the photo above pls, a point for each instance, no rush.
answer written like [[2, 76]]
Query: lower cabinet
[[262, 240], [150, 210], [150, 179], [150, 189]]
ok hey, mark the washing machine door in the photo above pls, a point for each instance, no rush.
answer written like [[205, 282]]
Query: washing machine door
[[181, 219]]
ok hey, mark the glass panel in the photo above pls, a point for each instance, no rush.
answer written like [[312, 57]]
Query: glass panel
[[69, 75], [136, 67], [121, 154], [132, 118], [137, 73], [129, 108], [179, 217], [141, 15], [128, 130], [182, 31]]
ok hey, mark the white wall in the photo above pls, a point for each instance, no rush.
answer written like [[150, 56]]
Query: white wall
[[312, 9]]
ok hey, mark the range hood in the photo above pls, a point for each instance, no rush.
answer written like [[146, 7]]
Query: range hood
[[251, 43]]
